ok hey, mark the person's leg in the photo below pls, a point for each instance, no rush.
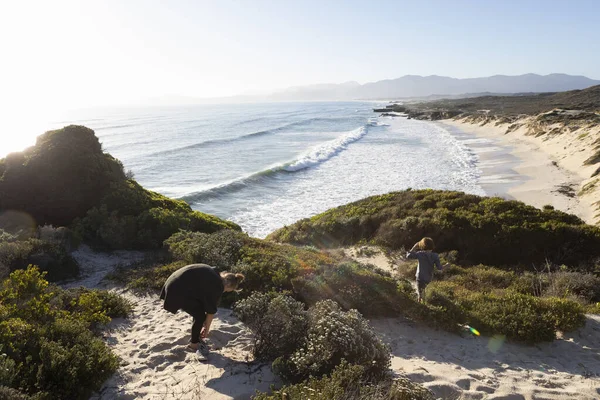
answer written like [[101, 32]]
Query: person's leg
[[421, 285], [197, 327]]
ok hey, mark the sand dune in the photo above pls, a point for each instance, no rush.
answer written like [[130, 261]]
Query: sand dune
[[156, 365]]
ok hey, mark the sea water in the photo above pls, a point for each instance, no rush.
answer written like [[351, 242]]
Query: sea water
[[264, 166]]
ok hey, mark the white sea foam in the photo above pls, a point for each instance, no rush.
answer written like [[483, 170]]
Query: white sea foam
[[326, 150]]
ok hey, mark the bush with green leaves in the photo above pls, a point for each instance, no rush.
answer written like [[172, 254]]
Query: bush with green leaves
[[47, 333], [311, 343], [129, 216], [334, 335], [8, 393], [144, 277], [267, 266], [354, 286], [348, 382], [220, 249], [278, 322], [584, 287], [49, 256], [484, 230], [518, 316], [67, 180]]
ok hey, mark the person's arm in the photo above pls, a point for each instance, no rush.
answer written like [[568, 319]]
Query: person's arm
[[206, 327], [411, 253], [437, 262]]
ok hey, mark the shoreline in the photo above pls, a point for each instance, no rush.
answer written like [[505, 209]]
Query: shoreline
[[516, 168]]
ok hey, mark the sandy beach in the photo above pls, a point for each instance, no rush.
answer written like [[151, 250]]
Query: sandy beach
[[539, 171]]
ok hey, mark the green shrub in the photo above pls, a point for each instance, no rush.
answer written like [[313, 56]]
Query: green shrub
[[353, 286], [566, 315], [267, 266], [481, 229], [220, 249], [518, 316], [49, 256], [130, 216], [93, 306], [8, 393], [334, 335], [347, 382], [278, 324], [146, 278], [46, 334]]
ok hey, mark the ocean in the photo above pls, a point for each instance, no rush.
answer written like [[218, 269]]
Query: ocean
[[264, 166]]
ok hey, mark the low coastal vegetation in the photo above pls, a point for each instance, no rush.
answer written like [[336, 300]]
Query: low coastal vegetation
[[487, 230], [515, 271], [586, 100], [49, 344], [348, 382], [67, 180]]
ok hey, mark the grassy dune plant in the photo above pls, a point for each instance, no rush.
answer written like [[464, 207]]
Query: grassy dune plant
[[354, 286], [266, 265], [484, 230], [129, 216]]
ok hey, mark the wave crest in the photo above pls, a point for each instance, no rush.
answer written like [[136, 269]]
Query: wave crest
[[312, 158]]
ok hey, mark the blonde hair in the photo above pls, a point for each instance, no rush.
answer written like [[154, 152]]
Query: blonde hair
[[232, 280], [426, 244]]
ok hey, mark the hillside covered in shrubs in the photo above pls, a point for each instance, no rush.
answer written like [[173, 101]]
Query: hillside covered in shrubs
[[66, 179], [486, 230]]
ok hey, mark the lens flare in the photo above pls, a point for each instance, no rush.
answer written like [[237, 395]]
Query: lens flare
[[473, 330]]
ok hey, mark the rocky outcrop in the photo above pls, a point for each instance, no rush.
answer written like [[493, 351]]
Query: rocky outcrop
[[391, 108]]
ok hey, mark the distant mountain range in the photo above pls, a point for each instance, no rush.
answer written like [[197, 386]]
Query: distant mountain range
[[412, 87]]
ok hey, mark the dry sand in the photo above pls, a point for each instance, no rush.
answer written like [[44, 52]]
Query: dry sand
[[156, 365], [540, 170], [151, 344]]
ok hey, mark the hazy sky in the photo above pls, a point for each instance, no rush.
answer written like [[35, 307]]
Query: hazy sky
[[58, 54]]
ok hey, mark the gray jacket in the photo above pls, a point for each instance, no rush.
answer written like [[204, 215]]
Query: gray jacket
[[427, 260]]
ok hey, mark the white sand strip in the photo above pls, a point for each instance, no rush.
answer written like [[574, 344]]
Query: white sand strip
[[538, 168]]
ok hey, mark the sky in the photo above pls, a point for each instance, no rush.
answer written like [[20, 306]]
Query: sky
[[64, 54]]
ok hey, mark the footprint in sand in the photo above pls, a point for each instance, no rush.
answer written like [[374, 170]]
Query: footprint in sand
[[230, 329], [160, 347]]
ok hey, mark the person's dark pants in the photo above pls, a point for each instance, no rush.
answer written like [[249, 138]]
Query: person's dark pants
[[421, 285], [199, 318], [197, 328]]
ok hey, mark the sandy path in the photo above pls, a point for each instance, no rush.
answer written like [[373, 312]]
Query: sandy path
[[470, 367], [157, 365], [151, 344]]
